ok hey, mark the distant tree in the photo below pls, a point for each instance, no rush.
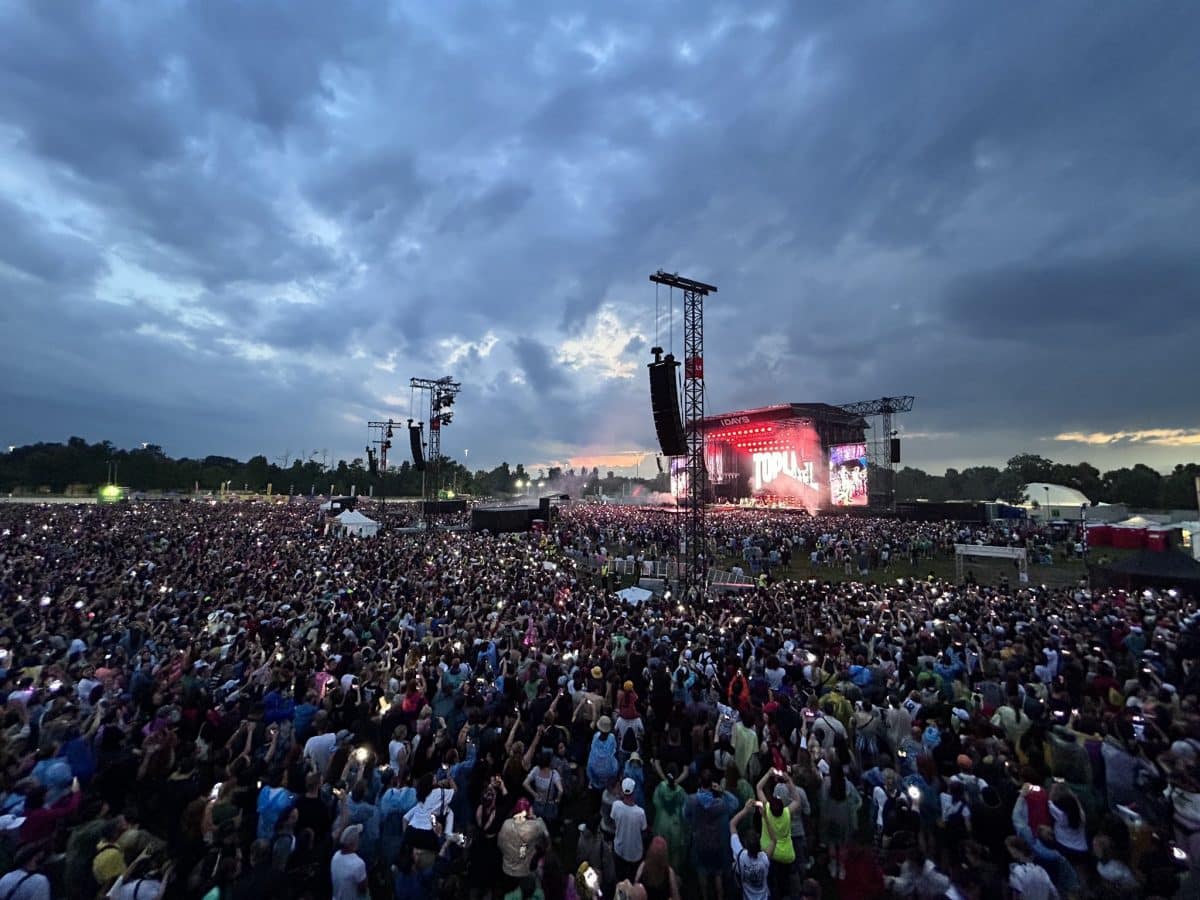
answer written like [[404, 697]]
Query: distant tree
[[1030, 467], [1140, 486], [1179, 488], [257, 473]]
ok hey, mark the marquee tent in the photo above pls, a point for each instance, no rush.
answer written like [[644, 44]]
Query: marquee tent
[[1054, 501], [635, 596], [352, 523]]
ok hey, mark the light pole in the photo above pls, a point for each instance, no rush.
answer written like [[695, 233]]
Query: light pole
[[1046, 488]]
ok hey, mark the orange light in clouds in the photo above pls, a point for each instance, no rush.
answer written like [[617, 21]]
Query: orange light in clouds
[[627, 460], [607, 461]]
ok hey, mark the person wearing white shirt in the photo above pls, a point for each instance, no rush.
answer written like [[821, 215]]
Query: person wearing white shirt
[[437, 803], [629, 820], [319, 748], [347, 870], [750, 864], [1070, 825], [1027, 879]]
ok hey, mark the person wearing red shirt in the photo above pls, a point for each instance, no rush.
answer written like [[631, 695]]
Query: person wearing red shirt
[[42, 821]]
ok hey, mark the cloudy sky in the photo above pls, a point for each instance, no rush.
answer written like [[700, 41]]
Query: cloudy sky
[[241, 227]]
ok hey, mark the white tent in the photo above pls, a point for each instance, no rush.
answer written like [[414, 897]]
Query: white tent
[[1054, 501], [355, 524], [1139, 522], [634, 596]]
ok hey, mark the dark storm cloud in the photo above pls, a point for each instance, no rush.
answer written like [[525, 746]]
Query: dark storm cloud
[[29, 247], [960, 201], [1141, 294], [491, 209], [538, 366]]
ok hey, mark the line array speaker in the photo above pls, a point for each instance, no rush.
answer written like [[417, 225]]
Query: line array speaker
[[664, 401], [418, 450]]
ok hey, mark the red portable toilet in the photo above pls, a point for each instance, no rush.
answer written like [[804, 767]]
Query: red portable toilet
[[1099, 535], [1128, 538], [1157, 540]]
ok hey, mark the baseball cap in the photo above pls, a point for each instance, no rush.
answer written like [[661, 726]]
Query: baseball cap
[[781, 792], [628, 786]]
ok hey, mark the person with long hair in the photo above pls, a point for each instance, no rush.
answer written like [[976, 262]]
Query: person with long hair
[[545, 787], [1070, 825], [483, 864], [655, 873]]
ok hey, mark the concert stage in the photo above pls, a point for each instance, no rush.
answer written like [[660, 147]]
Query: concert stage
[[799, 455]]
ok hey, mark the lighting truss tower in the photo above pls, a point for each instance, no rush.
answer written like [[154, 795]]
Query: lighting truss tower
[[381, 437], [442, 393], [694, 544], [880, 446]]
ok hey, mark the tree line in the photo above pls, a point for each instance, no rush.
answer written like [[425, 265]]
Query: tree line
[[80, 467], [1140, 486]]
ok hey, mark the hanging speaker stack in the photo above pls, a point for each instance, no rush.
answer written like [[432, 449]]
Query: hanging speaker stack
[[418, 449], [664, 401]]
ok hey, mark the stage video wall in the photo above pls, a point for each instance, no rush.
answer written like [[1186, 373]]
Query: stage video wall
[[848, 475]]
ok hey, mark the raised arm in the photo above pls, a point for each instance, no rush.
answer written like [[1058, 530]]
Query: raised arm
[[762, 783], [741, 814]]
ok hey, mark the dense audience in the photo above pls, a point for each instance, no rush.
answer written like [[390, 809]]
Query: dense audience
[[220, 701]]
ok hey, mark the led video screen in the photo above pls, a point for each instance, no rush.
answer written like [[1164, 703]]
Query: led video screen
[[848, 475]]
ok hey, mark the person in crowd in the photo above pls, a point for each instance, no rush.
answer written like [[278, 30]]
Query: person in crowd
[[629, 830], [751, 866], [656, 875], [522, 838], [25, 881]]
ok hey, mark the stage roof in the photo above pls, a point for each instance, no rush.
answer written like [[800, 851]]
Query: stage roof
[[823, 412]]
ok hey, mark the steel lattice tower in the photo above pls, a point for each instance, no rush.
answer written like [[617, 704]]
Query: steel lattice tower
[[694, 537], [883, 479], [442, 392]]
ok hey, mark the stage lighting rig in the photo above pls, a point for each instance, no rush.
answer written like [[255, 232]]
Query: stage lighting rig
[[442, 394]]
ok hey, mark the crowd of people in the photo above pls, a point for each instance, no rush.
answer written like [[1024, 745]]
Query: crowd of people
[[218, 701]]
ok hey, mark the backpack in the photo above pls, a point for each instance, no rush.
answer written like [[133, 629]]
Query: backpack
[[955, 825], [737, 871], [629, 741]]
